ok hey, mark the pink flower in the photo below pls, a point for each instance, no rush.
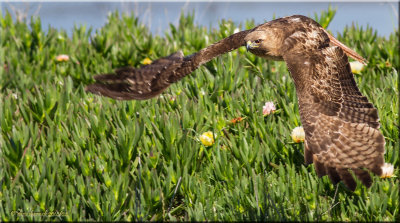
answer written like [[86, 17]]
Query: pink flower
[[268, 108]]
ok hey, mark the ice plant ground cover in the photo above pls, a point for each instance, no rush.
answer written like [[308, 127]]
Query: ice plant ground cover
[[69, 155]]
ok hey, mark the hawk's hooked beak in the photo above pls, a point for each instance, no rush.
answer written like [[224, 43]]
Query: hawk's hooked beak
[[251, 45]]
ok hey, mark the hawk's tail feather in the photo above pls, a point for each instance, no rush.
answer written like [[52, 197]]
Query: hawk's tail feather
[[333, 174], [308, 155], [337, 175], [319, 168], [347, 179], [342, 174], [377, 167], [363, 176]]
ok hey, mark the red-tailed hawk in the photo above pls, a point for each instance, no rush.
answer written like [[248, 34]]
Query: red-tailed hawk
[[341, 126]]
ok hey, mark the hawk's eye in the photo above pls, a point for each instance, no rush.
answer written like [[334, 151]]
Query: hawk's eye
[[258, 41]]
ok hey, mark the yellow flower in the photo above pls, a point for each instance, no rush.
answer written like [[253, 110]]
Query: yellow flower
[[387, 170], [298, 134], [146, 61], [268, 108], [62, 58], [356, 67], [207, 138]]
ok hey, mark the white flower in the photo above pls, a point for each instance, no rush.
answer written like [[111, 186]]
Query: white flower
[[387, 170], [298, 134], [236, 30], [356, 67], [268, 108]]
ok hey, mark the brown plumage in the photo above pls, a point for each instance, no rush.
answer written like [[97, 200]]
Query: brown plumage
[[341, 126]]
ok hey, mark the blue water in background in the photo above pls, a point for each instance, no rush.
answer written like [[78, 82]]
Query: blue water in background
[[382, 17]]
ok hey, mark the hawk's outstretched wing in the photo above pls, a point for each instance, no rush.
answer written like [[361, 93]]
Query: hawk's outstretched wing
[[341, 126], [148, 81]]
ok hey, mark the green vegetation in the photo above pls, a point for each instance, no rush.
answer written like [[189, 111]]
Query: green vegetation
[[77, 156]]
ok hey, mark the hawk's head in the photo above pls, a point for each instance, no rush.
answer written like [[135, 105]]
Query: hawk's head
[[265, 41], [273, 39]]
